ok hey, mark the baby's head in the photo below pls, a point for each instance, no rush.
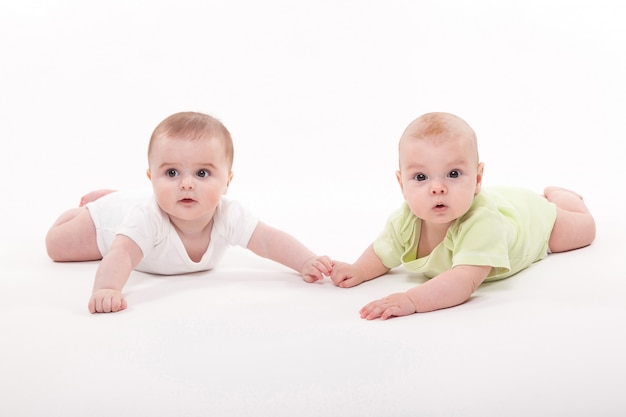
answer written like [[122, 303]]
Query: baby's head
[[439, 170], [190, 158], [439, 127], [193, 126]]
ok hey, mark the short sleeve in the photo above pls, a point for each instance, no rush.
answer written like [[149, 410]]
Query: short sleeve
[[234, 223], [144, 226], [481, 239], [397, 237]]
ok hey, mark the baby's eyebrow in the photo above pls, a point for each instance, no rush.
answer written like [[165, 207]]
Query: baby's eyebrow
[[166, 164], [209, 165], [199, 165], [414, 166], [460, 162]]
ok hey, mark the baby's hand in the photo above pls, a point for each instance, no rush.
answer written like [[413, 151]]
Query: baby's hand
[[316, 268], [106, 301], [397, 304], [345, 275]]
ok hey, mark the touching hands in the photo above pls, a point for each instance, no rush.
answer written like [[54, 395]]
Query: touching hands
[[397, 304], [106, 301], [316, 268], [345, 275]]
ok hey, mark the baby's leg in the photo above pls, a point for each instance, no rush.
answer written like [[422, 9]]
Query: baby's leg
[[73, 237], [574, 226], [93, 196]]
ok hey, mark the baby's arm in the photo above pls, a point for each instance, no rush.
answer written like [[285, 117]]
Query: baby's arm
[[283, 248], [448, 289], [112, 274], [368, 266]]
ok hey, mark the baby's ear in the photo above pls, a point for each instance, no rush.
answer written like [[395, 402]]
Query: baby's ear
[[399, 178], [479, 177], [149, 174], [230, 178]]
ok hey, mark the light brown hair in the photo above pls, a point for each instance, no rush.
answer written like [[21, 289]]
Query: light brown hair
[[194, 126], [439, 126]]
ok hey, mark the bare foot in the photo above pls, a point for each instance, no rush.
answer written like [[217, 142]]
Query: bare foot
[[566, 199], [552, 189], [93, 196]]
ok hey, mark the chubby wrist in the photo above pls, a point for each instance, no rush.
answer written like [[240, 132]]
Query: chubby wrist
[[306, 264], [100, 289], [359, 274], [413, 296]]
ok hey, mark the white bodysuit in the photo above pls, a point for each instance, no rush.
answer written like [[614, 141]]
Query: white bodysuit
[[137, 216]]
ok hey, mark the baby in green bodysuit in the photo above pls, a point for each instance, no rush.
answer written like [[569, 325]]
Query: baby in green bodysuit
[[455, 233]]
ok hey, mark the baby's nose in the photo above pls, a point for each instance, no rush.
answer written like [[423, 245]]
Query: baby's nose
[[437, 189], [186, 182]]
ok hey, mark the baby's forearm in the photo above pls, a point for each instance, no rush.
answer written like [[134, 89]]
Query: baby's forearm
[[290, 252], [448, 289], [280, 247], [113, 272], [369, 265], [116, 266]]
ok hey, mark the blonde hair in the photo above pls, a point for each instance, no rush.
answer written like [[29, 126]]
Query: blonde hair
[[193, 126], [440, 126]]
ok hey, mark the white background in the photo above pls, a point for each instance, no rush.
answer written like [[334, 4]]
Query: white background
[[316, 95]]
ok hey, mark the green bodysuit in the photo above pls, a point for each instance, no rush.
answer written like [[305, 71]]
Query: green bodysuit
[[506, 228]]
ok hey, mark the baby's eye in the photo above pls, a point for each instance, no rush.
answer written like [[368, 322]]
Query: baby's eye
[[420, 177], [454, 173], [203, 173], [171, 172]]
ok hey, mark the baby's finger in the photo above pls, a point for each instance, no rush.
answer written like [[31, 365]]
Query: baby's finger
[[328, 264], [349, 282], [92, 305], [98, 304], [106, 305], [372, 310], [116, 304], [335, 277], [390, 312], [312, 277], [322, 266], [365, 310], [338, 280]]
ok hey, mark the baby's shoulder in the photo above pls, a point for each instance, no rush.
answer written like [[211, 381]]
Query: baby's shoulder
[[232, 213]]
